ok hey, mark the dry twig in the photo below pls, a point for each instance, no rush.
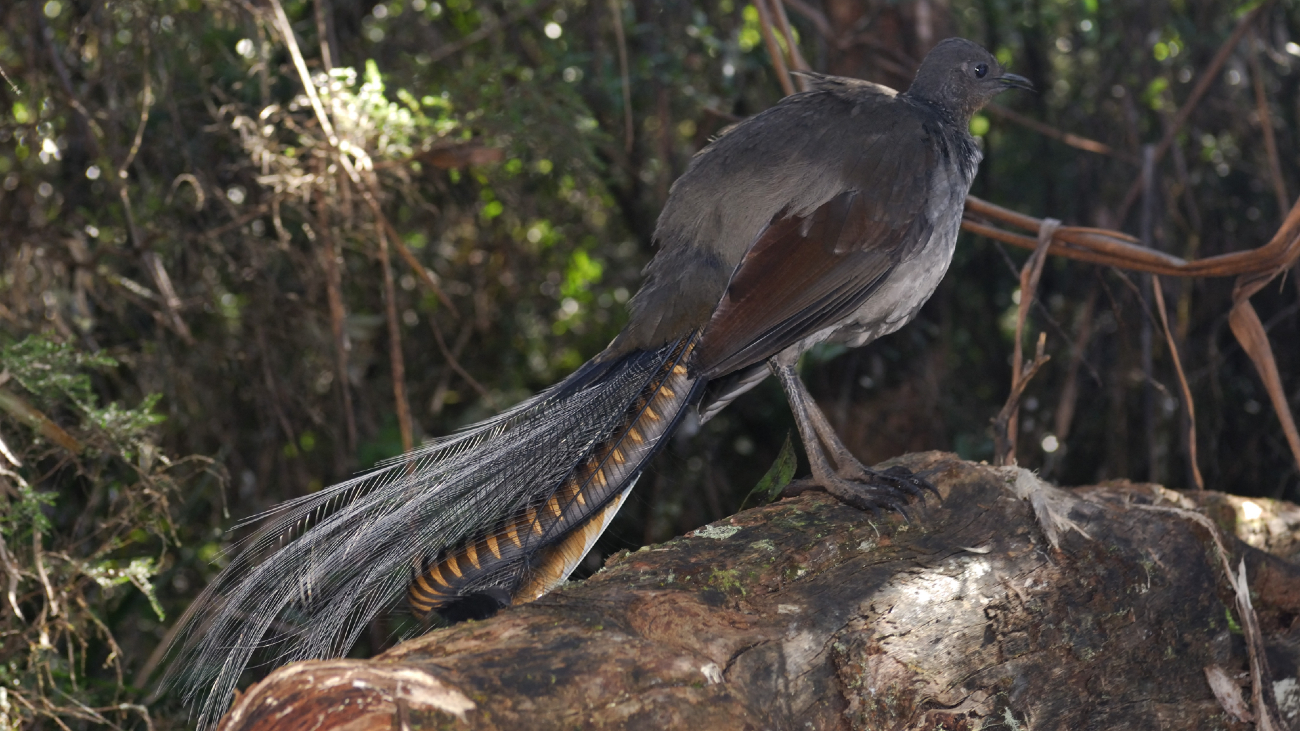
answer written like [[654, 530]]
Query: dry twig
[[1266, 125], [629, 126], [1029, 277], [1003, 445], [773, 48], [1182, 382], [1073, 140]]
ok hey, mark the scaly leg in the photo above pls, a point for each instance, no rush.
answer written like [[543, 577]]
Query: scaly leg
[[847, 479]]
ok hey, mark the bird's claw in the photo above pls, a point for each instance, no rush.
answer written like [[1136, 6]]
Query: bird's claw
[[870, 490]]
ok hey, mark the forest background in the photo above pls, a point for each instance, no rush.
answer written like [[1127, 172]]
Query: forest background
[[211, 303]]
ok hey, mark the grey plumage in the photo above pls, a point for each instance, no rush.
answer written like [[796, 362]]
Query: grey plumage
[[832, 215]]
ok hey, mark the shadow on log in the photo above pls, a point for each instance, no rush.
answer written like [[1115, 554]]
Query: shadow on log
[[806, 614]]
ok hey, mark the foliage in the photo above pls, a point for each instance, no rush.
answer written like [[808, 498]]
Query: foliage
[[75, 525], [184, 235]]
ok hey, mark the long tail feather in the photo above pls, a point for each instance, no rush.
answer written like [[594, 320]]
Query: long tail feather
[[499, 513]]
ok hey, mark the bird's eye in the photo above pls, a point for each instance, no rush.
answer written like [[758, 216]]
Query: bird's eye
[[981, 70]]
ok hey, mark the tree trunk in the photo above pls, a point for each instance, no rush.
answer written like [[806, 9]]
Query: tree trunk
[[806, 614]]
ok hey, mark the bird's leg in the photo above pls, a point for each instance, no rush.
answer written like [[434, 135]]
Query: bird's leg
[[848, 480]]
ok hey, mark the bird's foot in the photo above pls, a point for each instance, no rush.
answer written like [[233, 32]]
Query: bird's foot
[[868, 489]]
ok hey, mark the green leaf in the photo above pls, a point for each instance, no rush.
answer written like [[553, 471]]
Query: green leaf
[[50, 370], [139, 572], [777, 477]]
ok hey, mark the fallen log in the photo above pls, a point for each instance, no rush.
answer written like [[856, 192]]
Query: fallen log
[[806, 614]]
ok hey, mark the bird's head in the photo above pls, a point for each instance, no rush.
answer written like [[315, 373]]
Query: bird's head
[[961, 77]]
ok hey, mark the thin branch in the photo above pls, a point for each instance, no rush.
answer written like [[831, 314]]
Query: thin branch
[[1069, 397], [11, 570], [797, 61], [1073, 140], [171, 301], [398, 362], [12, 86], [1266, 125], [1202, 85], [488, 29], [422, 273], [1003, 447], [817, 17], [291, 40], [629, 126], [321, 13], [21, 410], [37, 552], [146, 104], [1030, 275], [8, 454], [773, 48], [455, 365], [1116, 248], [329, 258], [1182, 382]]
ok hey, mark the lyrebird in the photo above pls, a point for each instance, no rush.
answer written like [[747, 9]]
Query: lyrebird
[[831, 216]]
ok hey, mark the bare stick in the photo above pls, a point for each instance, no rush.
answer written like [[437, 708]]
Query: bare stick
[[323, 34], [817, 17], [773, 48], [37, 552], [1073, 140], [17, 92], [422, 273], [629, 127], [395, 348], [11, 570], [16, 407], [1266, 126], [1029, 276], [329, 257], [1070, 391], [146, 103], [1004, 447], [797, 61], [1182, 382], [454, 363]]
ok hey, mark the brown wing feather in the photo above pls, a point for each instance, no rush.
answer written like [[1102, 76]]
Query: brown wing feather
[[807, 272]]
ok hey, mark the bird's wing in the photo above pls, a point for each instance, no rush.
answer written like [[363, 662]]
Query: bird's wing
[[808, 271]]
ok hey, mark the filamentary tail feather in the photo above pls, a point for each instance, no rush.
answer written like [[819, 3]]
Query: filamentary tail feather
[[320, 568]]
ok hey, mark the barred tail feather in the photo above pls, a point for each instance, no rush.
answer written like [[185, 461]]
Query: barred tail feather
[[498, 513]]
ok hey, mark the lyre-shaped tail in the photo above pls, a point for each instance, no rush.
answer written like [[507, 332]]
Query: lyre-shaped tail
[[499, 513]]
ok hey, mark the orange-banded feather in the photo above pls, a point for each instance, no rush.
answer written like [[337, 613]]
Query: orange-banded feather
[[559, 560], [453, 566], [546, 540]]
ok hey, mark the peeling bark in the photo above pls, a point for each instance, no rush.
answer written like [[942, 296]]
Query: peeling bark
[[806, 614]]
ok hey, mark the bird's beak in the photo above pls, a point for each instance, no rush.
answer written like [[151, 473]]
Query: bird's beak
[[1012, 81]]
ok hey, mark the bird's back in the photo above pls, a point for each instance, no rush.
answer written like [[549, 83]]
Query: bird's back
[[841, 135]]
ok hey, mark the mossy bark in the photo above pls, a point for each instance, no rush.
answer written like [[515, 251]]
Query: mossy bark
[[806, 614]]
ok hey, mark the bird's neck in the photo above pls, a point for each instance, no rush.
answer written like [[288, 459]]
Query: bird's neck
[[950, 114]]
